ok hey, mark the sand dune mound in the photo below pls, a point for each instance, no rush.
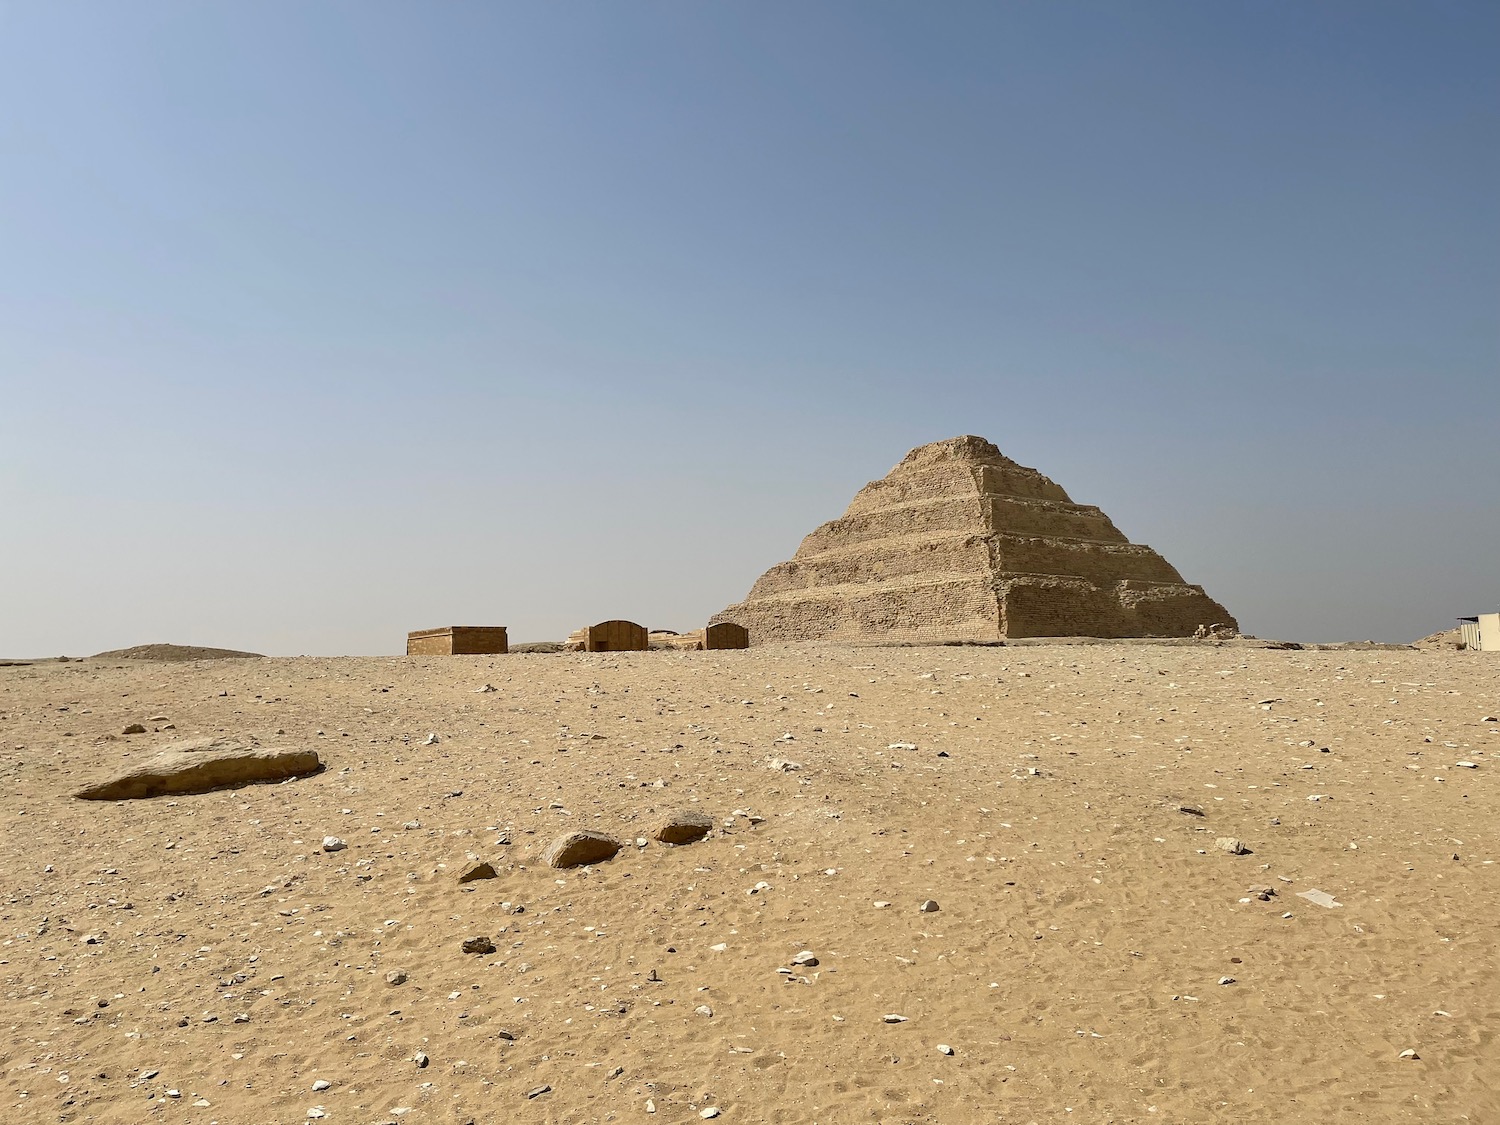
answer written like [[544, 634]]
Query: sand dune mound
[[176, 652], [1447, 639]]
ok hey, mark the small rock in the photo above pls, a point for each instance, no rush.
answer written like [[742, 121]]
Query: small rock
[[1231, 844], [395, 977], [537, 1092], [508, 1036], [432, 740], [1408, 1054], [704, 1010], [881, 904], [575, 849], [486, 688], [421, 1060], [476, 871], [478, 945], [1466, 765], [316, 1112], [134, 728], [683, 826], [806, 958], [1226, 980], [1191, 810], [708, 1112], [321, 1084], [333, 844], [929, 907], [892, 1017], [944, 1049]]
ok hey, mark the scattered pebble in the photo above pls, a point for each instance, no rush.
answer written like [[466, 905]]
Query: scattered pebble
[[421, 1060], [478, 945], [1231, 844], [944, 1049], [333, 844], [929, 907]]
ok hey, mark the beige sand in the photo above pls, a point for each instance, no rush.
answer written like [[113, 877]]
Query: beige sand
[[1073, 965]]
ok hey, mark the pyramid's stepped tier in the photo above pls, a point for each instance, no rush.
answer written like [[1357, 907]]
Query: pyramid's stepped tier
[[958, 542], [952, 607], [912, 556], [961, 514], [908, 484], [1055, 606]]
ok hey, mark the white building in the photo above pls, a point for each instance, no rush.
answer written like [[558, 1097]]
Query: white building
[[1482, 632]]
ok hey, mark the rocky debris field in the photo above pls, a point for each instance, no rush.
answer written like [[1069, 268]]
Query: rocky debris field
[[1104, 883]]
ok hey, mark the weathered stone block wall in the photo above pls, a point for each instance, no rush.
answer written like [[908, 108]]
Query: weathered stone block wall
[[1014, 515], [458, 640]]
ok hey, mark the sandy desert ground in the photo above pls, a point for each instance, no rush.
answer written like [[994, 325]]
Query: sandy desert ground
[[1095, 956]]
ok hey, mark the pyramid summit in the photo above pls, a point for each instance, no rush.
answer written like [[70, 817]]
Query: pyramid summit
[[960, 543]]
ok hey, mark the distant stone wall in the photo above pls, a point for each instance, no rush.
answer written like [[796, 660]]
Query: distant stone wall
[[458, 640], [959, 543]]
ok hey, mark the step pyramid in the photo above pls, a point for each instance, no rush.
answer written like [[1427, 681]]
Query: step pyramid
[[960, 543]]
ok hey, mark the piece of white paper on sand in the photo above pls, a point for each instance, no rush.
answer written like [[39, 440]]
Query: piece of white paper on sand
[[1322, 898]]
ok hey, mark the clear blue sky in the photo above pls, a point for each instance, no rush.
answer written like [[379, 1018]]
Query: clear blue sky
[[320, 322]]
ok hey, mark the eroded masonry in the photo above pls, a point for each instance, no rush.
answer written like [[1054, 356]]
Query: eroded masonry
[[960, 543]]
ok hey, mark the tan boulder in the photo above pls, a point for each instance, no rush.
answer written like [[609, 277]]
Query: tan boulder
[[574, 849], [682, 827], [200, 765]]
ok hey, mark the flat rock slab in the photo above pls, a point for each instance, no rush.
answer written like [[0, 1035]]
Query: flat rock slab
[[578, 848], [682, 827], [201, 765]]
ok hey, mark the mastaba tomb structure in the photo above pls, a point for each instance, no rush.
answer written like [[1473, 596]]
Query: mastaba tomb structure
[[960, 543]]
